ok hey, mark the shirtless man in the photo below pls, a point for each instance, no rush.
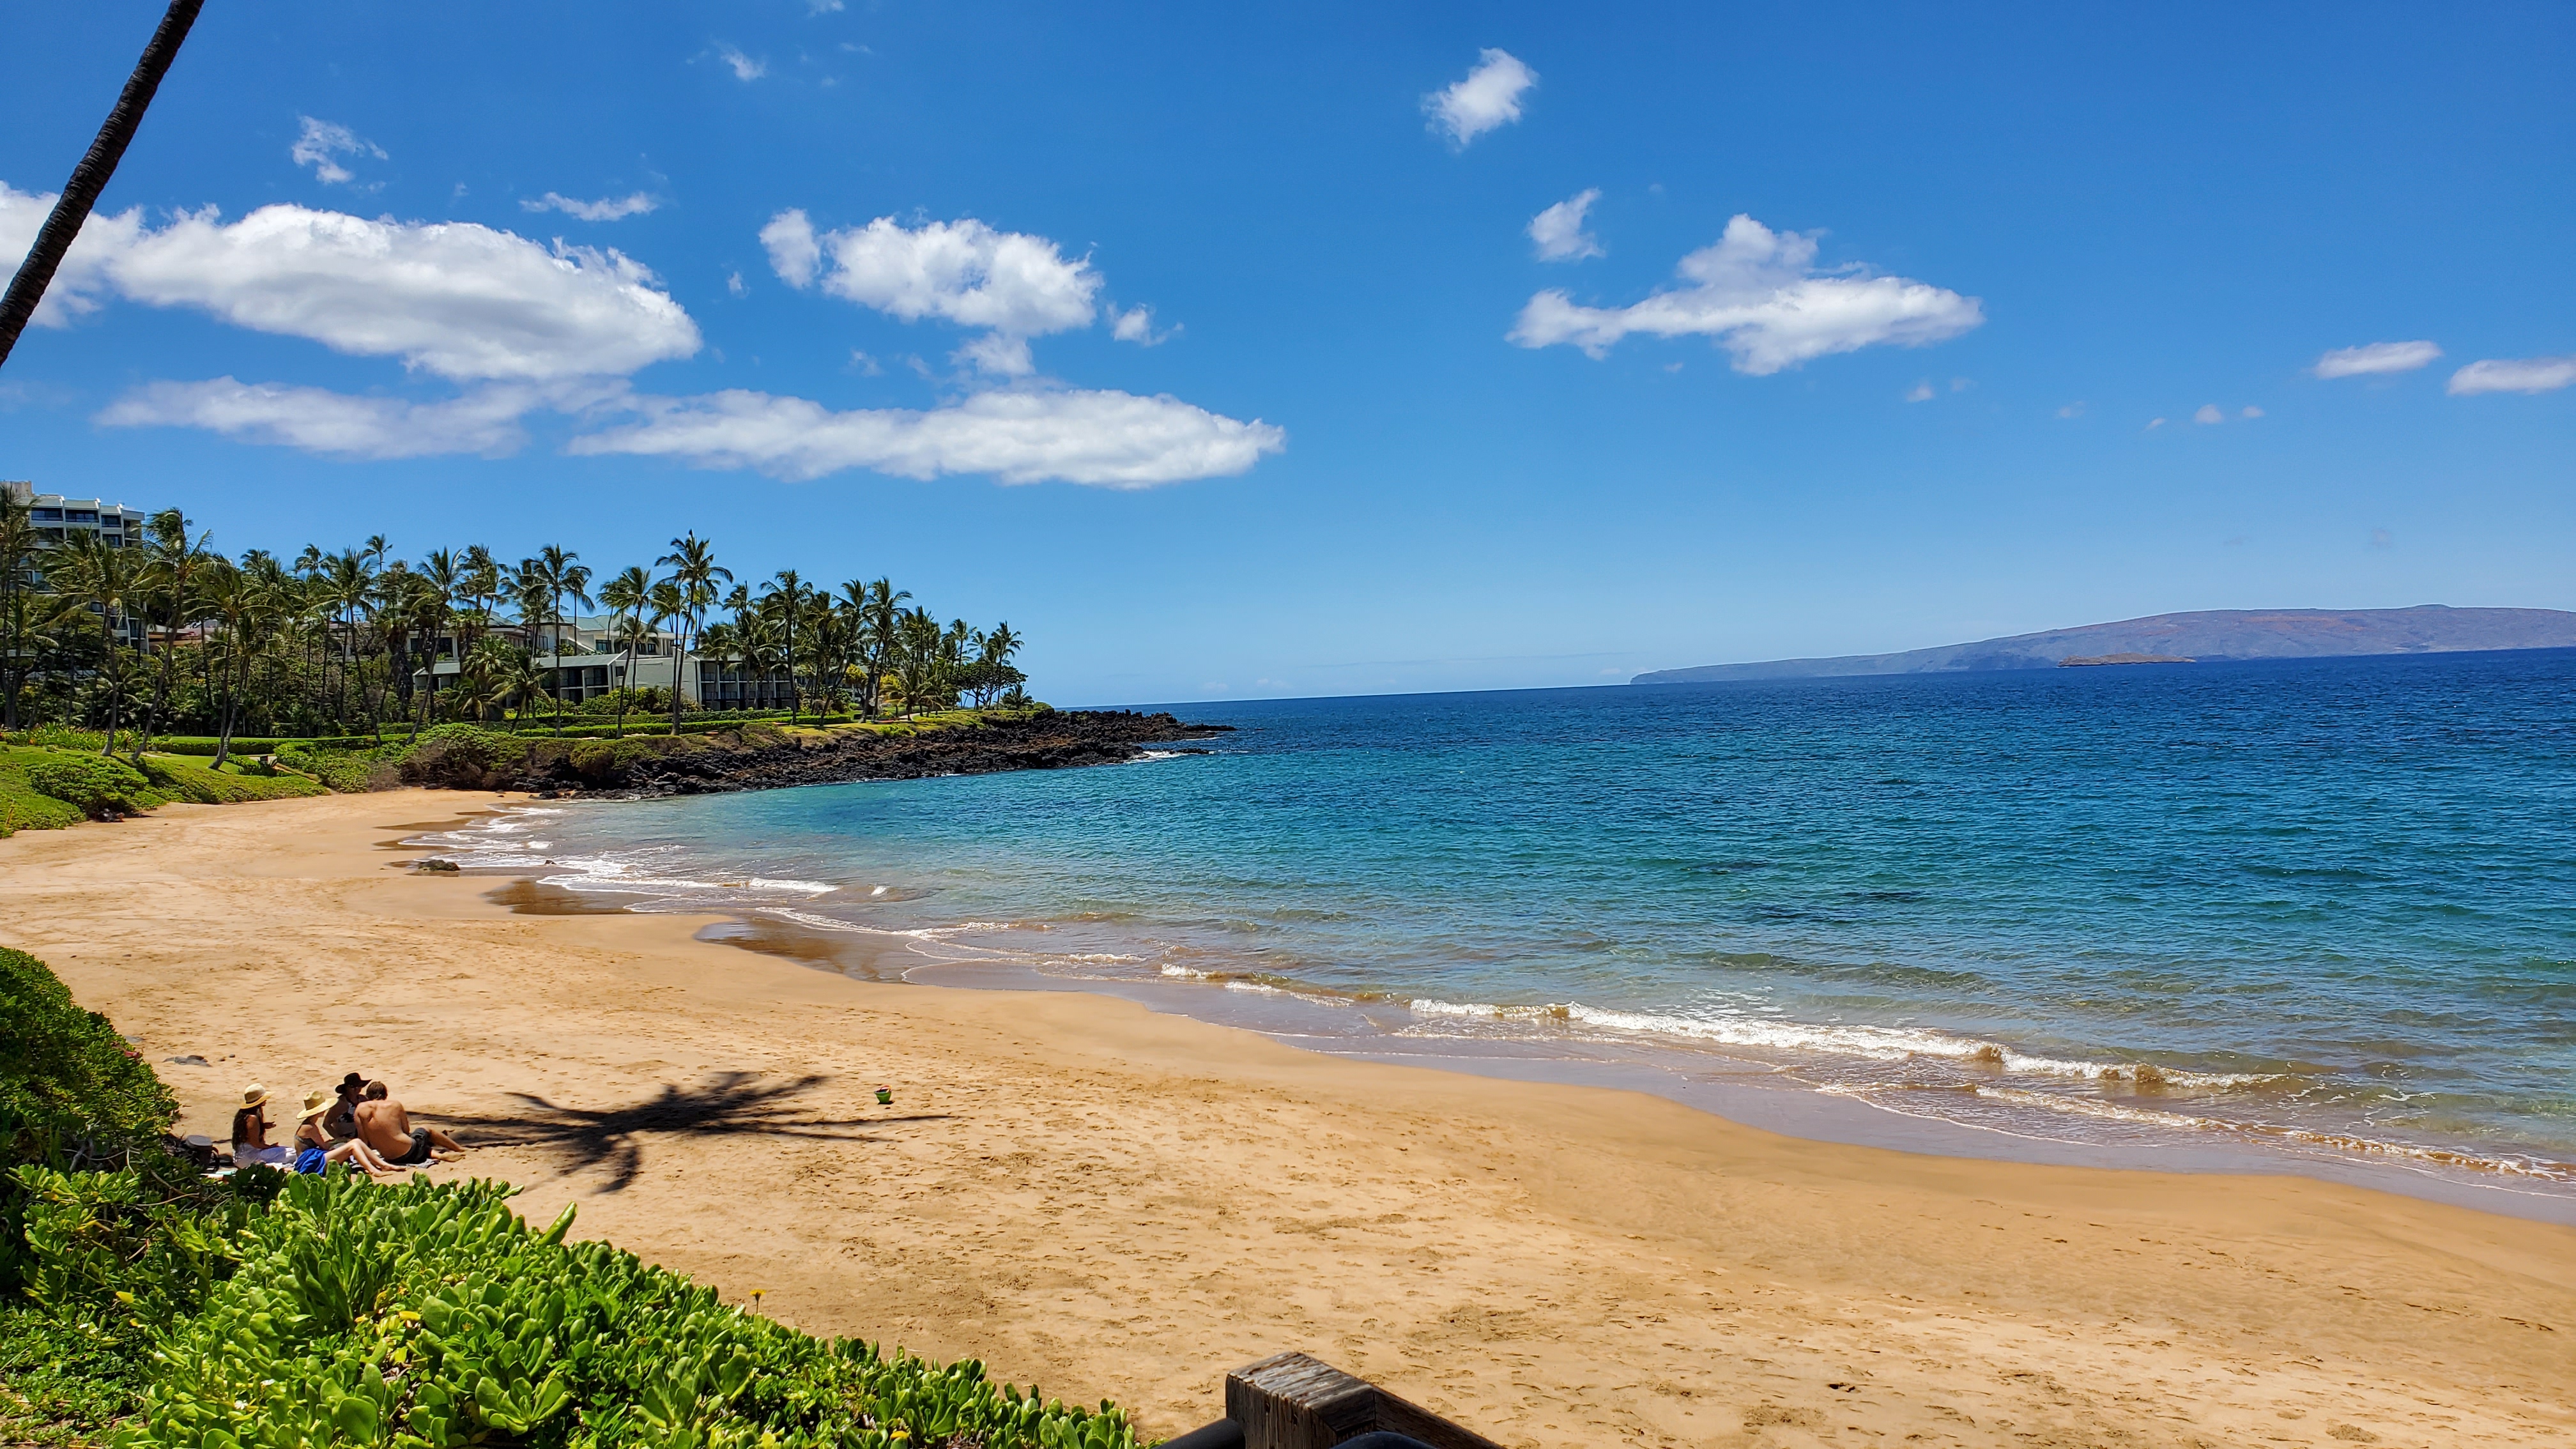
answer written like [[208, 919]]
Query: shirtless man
[[386, 1127]]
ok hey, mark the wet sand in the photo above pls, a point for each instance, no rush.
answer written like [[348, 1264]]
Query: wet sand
[[1116, 1203]]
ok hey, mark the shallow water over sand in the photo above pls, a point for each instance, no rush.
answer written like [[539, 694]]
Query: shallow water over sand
[[2319, 913]]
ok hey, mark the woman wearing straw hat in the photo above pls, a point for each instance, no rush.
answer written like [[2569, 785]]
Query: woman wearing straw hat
[[250, 1132], [315, 1151]]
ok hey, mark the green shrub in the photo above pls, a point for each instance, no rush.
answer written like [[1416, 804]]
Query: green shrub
[[63, 1069], [22, 808], [64, 737], [462, 757], [430, 1317], [202, 784], [344, 771], [110, 1260], [98, 784], [606, 762]]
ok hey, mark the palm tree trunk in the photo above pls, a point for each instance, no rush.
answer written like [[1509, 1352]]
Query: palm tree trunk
[[625, 686], [113, 678], [89, 178], [224, 711]]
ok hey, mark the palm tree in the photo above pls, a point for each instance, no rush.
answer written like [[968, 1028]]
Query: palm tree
[[348, 581], [231, 597], [759, 641], [479, 586], [884, 620], [98, 574], [918, 640], [533, 595], [563, 578], [486, 678], [827, 650], [89, 178], [443, 573], [19, 544], [669, 604], [787, 600], [169, 580], [623, 597], [408, 606], [694, 569]]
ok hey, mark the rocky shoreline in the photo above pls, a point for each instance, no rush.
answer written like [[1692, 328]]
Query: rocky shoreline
[[760, 757]]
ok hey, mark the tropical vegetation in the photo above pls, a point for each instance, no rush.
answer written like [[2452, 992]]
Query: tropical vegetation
[[166, 635], [148, 1306]]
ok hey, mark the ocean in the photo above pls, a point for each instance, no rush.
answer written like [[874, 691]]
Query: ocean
[[2315, 916]]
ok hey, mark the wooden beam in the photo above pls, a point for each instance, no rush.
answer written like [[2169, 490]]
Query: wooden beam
[[1295, 1401]]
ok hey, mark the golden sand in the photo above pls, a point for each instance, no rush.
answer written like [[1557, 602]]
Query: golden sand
[[1115, 1203]]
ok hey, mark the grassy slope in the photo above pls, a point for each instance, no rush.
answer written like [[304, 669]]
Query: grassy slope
[[192, 777], [174, 777]]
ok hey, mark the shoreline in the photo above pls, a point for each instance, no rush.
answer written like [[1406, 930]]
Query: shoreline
[[1118, 1202], [1742, 1090]]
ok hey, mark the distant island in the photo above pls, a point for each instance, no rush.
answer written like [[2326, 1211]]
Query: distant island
[[2200, 637]]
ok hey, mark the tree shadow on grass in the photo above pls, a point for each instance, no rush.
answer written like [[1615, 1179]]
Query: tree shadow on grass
[[732, 1104]]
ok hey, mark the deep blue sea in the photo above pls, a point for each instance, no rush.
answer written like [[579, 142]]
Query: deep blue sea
[[2323, 908]]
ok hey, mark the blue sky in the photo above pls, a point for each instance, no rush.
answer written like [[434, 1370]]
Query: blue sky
[[872, 308]]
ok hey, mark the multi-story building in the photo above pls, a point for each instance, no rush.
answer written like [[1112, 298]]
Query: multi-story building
[[583, 660], [56, 518]]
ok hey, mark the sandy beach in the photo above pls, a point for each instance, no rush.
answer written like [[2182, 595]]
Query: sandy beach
[[1114, 1203]]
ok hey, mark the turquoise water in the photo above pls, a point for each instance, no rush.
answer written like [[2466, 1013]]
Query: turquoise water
[[2323, 908]]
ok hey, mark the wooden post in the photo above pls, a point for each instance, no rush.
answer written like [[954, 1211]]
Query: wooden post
[[1294, 1401]]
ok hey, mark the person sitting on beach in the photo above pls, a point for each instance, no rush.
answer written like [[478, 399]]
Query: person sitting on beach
[[315, 1151], [251, 1147], [341, 1118], [386, 1127]]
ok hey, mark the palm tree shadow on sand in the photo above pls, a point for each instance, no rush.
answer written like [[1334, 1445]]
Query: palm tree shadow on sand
[[731, 1104]]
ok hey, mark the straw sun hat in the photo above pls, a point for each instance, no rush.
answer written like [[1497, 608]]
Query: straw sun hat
[[253, 1095], [315, 1104]]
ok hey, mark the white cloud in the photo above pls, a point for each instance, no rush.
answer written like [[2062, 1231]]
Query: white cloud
[[460, 300], [822, 7], [734, 284], [1756, 292], [1490, 96], [2375, 357], [321, 140], [529, 327], [2209, 413], [457, 299], [997, 353], [793, 253], [1110, 439], [605, 209], [2152, 425], [1920, 392], [1136, 325], [1558, 231], [961, 271], [317, 420], [2072, 410], [744, 67], [2250, 411], [2519, 374]]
